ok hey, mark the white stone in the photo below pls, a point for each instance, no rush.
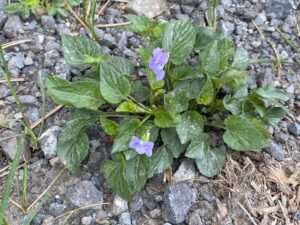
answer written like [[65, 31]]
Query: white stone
[[150, 8]]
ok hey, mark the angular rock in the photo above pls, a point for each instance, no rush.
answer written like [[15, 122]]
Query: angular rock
[[278, 9], [187, 2], [56, 208], [62, 70], [9, 145], [195, 219], [16, 61], [125, 219], [48, 141], [12, 27], [3, 15], [177, 201], [85, 193], [119, 206], [86, 220], [51, 58], [294, 128], [24, 100], [48, 23], [276, 151], [186, 171], [150, 8]]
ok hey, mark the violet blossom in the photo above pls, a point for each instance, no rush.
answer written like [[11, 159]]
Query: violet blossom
[[141, 147], [157, 62]]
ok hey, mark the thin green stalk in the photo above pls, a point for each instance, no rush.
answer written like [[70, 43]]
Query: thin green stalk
[[10, 178], [289, 42], [139, 104], [13, 92], [168, 78], [84, 9], [92, 19], [43, 93], [212, 17], [35, 211], [24, 186]]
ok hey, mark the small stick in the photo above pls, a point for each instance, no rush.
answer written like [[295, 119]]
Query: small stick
[[76, 210], [112, 25], [48, 188], [13, 43], [36, 123], [103, 8], [7, 138], [13, 80], [248, 214], [17, 205]]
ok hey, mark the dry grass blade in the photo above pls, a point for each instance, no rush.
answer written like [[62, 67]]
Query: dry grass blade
[[12, 80], [74, 211], [47, 115], [248, 214], [112, 25], [13, 43], [103, 7]]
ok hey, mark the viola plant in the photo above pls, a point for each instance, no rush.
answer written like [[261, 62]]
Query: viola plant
[[171, 113]]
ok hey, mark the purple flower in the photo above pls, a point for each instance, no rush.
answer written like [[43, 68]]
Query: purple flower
[[141, 147], [157, 63]]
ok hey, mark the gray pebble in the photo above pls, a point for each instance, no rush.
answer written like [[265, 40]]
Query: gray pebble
[[48, 23], [125, 219], [51, 58], [48, 141], [276, 151], [119, 206], [294, 128], [84, 193], [177, 201], [13, 27], [56, 208]]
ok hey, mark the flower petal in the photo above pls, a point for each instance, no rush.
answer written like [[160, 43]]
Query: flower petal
[[148, 147], [135, 142], [160, 75], [156, 52]]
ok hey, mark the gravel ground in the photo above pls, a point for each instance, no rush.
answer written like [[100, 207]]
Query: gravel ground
[[260, 188]]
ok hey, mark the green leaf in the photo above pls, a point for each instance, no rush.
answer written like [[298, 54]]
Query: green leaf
[[137, 172], [191, 125], [125, 132], [234, 78], [241, 60], [210, 162], [207, 93], [109, 126], [191, 86], [119, 65], [273, 115], [129, 107], [128, 128], [18, 8], [140, 93], [79, 94], [179, 39], [232, 105], [272, 93], [209, 59], [154, 84], [80, 51], [161, 160], [172, 141], [244, 135], [73, 144], [114, 173], [185, 72], [198, 145], [140, 24], [176, 101], [205, 36], [74, 2], [114, 86], [164, 119]]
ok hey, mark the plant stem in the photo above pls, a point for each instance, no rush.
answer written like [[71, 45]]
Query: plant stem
[[139, 104], [14, 94], [116, 114], [215, 126], [212, 4], [168, 78]]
